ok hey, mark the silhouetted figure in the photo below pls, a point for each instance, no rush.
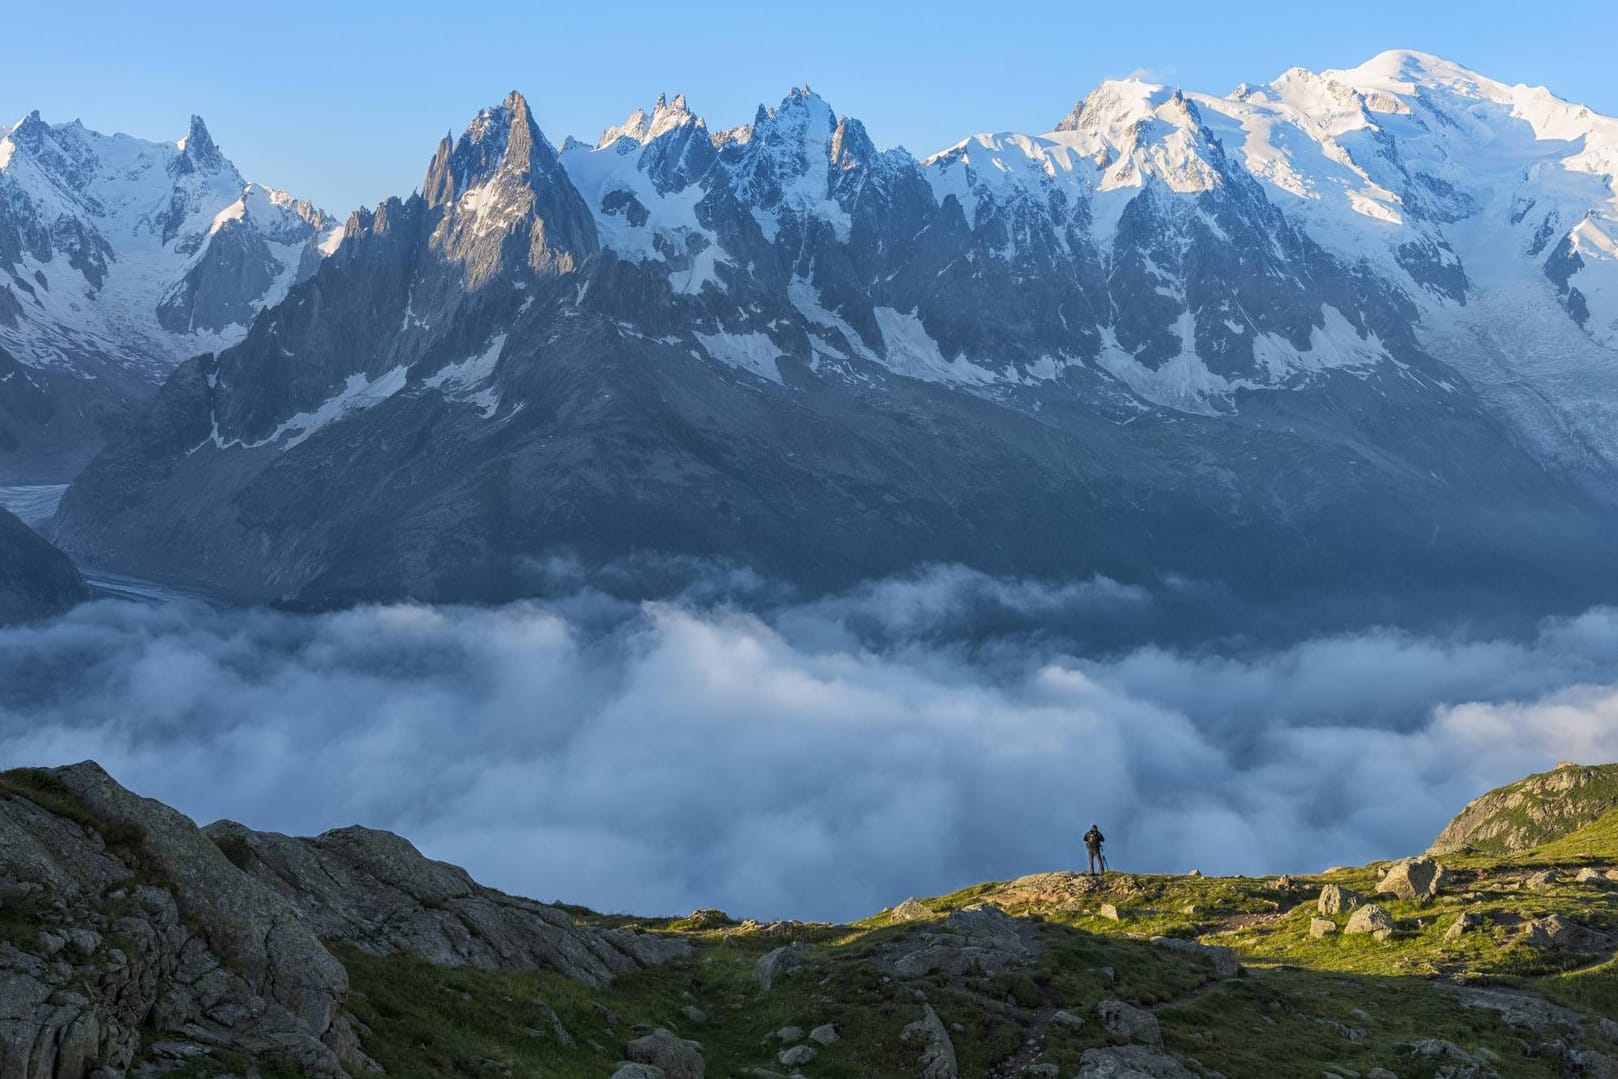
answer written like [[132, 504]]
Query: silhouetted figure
[[1092, 843]]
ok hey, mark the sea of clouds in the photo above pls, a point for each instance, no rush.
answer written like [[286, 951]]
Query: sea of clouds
[[810, 760]]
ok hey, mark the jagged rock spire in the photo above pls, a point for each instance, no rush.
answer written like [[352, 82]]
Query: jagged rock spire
[[199, 146]]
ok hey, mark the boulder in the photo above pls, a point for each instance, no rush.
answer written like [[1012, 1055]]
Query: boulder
[[678, 1058], [1222, 959], [1131, 1062], [1587, 875], [1370, 919], [1109, 912], [1412, 878], [825, 1034], [789, 1034], [795, 1057], [1322, 927], [1554, 931], [909, 911], [1042, 1070], [1543, 881], [938, 1052], [1064, 1018], [639, 1071], [1464, 923], [1461, 1064], [1128, 1021], [1336, 900], [1593, 1065], [772, 966]]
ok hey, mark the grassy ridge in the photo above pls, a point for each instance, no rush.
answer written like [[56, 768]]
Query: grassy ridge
[[1304, 1004]]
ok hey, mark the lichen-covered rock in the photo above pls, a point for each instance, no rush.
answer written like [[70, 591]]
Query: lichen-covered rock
[[1321, 927], [1131, 1062], [1412, 878], [796, 1056], [982, 939], [676, 1057], [1335, 899], [1128, 1021], [938, 1052], [631, 1070], [1370, 919], [778, 963]]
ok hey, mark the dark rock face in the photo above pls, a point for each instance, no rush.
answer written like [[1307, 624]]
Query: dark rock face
[[36, 580], [136, 941], [783, 348]]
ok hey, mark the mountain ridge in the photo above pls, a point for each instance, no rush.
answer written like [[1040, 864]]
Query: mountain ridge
[[1139, 321]]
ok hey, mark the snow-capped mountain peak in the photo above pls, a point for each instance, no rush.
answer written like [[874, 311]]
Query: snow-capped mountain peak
[[119, 257], [642, 126]]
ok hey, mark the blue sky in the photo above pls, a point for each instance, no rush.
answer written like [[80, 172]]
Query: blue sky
[[343, 101]]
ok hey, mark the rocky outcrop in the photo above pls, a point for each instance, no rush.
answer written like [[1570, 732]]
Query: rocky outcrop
[[778, 963], [980, 940], [133, 939], [1222, 959], [373, 890], [134, 935], [1131, 1062], [938, 1052], [1532, 811]]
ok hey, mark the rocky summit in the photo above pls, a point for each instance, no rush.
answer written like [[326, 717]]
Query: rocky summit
[[133, 943], [1318, 347]]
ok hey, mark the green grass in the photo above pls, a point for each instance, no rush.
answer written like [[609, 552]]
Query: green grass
[[42, 788]]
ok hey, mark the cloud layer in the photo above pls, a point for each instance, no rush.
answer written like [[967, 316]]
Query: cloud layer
[[816, 761]]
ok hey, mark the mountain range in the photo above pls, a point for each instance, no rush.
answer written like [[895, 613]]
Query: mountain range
[[1342, 343]]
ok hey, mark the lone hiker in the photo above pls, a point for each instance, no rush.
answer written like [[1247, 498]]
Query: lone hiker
[[1092, 843]]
